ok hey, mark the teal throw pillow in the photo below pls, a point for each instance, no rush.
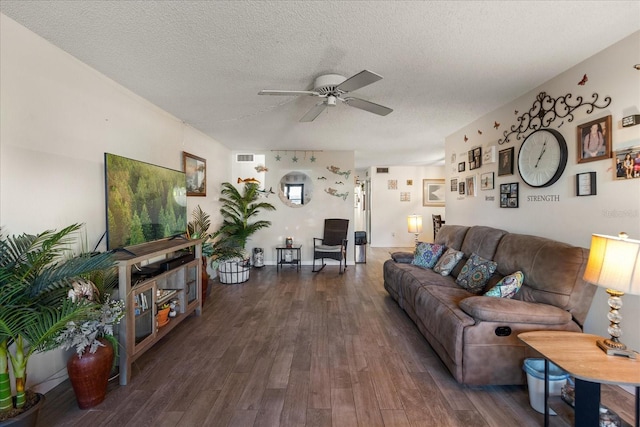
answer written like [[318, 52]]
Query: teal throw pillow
[[476, 273], [426, 254], [448, 261], [507, 287]]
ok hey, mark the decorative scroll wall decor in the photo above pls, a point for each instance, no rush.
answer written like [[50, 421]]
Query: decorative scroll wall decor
[[545, 110]]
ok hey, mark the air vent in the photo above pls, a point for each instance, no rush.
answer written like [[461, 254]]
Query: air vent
[[382, 170], [243, 158]]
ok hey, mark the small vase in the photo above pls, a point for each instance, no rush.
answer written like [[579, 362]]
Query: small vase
[[89, 375]]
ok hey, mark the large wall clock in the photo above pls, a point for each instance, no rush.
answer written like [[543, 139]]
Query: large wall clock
[[542, 158]]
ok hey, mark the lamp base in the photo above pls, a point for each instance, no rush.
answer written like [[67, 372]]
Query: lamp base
[[617, 349]]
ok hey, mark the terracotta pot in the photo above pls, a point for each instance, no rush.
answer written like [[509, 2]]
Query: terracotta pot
[[29, 418], [163, 316], [89, 375]]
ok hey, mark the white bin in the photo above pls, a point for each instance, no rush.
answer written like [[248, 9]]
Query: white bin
[[535, 380]]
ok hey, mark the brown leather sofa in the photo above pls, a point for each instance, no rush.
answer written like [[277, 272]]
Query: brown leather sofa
[[477, 336]]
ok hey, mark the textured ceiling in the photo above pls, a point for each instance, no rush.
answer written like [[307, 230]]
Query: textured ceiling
[[445, 63]]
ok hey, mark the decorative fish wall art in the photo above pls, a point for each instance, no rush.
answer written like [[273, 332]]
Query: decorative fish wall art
[[334, 192], [336, 170]]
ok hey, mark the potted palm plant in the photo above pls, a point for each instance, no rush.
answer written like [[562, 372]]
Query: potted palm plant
[[198, 228], [238, 213], [36, 274]]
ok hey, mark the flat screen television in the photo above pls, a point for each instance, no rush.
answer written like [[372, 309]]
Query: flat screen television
[[145, 202]]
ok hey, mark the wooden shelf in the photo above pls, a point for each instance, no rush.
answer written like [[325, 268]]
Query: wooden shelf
[[140, 332]]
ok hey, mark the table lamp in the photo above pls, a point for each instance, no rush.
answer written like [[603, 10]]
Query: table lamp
[[414, 224], [614, 263]]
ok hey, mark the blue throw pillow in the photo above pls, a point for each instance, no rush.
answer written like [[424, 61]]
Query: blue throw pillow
[[476, 273], [426, 254]]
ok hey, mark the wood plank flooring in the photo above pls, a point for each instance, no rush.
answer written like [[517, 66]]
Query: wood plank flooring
[[299, 349]]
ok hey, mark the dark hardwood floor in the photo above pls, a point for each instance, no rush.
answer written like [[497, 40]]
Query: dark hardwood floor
[[299, 349]]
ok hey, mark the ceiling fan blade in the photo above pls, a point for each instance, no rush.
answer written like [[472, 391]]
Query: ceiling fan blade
[[371, 107], [288, 92], [314, 112], [363, 78]]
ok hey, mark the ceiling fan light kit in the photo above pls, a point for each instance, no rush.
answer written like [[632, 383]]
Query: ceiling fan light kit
[[332, 87]]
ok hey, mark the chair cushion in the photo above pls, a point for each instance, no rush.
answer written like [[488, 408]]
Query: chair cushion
[[327, 248], [476, 273]]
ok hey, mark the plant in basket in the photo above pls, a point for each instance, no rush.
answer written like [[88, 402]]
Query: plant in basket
[[36, 274]]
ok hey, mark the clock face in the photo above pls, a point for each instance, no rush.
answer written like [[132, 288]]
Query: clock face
[[542, 158]]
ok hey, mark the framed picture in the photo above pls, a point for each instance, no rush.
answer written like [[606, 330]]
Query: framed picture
[[409, 182], [627, 163], [489, 155], [195, 168], [392, 184], [405, 196], [475, 158], [461, 167], [586, 184], [509, 195], [433, 192], [505, 162], [486, 181], [594, 140], [461, 188], [454, 184], [470, 183]]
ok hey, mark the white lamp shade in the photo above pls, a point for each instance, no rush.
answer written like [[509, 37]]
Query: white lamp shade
[[614, 262], [414, 223]]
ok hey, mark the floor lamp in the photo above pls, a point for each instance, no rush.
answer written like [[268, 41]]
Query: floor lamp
[[614, 263], [414, 225]]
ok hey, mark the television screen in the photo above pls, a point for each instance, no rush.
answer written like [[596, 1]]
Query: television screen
[[145, 202]]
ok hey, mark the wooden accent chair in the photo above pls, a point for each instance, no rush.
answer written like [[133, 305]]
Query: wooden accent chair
[[333, 244]]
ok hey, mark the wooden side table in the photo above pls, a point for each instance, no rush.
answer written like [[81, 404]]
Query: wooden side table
[[295, 256], [578, 354]]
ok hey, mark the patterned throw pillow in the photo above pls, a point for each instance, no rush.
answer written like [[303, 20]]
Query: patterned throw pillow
[[448, 261], [507, 287], [427, 254], [475, 273]]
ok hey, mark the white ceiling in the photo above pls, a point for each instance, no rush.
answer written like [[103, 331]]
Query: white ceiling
[[445, 63]]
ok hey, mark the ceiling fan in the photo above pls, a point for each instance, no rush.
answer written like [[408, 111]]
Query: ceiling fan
[[332, 88]]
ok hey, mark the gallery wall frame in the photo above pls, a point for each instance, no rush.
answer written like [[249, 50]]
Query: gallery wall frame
[[505, 162], [433, 192], [470, 183], [486, 181], [509, 195], [594, 140], [627, 163], [195, 168]]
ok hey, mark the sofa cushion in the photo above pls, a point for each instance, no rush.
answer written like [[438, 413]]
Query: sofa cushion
[[482, 241], [403, 257], [448, 261], [476, 273], [507, 287], [510, 310], [451, 236], [427, 254]]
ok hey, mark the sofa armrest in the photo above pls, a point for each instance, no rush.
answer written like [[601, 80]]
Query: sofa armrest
[[402, 257], [509, 310]]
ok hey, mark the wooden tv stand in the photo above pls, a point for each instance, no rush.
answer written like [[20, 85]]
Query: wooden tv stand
[[150, 275]]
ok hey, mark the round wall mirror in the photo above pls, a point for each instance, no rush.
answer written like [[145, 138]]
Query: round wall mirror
[[295, 189]]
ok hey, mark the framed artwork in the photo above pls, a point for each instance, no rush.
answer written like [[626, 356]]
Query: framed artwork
[[461, 188], [586, 184], [505, 162], [627, 163], [486, 181], [470, 183], [195, 168], [489, 155], [509, 195], [409, 182], [433, 192], [454, 184], [475, 158], [594, 140], [461, 167], [392, 184], [405, 196]]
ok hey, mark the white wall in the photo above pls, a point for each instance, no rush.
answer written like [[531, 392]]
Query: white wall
[[389, 214], [58, 117], [572, 219], [305, 222]]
